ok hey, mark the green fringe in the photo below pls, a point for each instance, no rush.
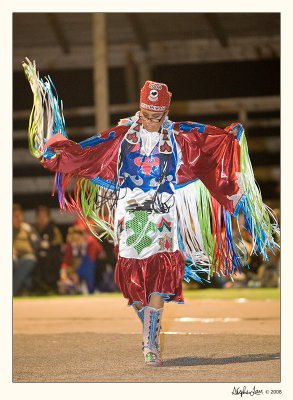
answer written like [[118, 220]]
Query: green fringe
[[204, 210], [36, 120], [45, 110], [90, 194], [263, 230]]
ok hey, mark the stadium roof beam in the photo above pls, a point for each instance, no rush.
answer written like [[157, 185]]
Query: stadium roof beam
[[139, 32], [57, 29], [144, 64], [217, 28]]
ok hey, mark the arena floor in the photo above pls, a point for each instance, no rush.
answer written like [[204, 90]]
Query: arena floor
[[98, 339]]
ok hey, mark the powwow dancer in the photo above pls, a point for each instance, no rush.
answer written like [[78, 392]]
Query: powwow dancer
[[168, 194]]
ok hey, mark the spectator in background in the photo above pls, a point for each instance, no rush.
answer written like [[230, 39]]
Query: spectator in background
[[105, 265], [271, 275], [266, 273], [79, 262], [105, 269], [49, 255], [25, 245]]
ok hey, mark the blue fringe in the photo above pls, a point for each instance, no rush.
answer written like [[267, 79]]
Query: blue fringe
[[237, 262], [259, 235], [61, 198], [263, 243], [59, 122], [239, 206], [193, 271]]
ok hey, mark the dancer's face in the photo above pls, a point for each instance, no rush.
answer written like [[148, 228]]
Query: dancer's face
[[151, 121]]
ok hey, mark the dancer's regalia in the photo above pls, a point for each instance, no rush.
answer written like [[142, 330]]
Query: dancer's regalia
[[170, 200]]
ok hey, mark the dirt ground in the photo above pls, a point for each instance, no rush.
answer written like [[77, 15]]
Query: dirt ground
[[98, 339]]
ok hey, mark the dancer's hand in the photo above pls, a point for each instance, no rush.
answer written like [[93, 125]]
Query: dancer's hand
[[58, 152]]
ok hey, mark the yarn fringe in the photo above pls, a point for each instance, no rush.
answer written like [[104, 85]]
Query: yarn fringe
[[46, 118], [93, 203], [212, 239]]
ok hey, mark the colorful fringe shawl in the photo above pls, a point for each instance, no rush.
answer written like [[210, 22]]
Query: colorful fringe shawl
[[92, 200], [210, 237]]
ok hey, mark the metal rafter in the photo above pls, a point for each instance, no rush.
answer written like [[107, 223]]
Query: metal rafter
[[57, 29], [137, 27], [217, 28]]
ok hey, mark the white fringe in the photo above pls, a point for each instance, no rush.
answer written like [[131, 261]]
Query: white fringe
[[188, 223]]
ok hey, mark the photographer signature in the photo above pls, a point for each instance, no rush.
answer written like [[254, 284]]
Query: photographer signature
[[244, 391]]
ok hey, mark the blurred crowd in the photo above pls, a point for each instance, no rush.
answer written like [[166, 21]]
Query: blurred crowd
[[46, 262]]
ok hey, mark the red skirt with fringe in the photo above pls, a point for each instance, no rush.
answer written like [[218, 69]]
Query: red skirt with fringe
[[160, 273]]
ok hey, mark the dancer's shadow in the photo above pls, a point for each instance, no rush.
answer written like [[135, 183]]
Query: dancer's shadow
[[189, 361]]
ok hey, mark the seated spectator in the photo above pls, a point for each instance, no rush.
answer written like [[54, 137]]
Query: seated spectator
[[25, 245], [105, 265], [79, 262], [49, 254], [267, 273], [105, 269]]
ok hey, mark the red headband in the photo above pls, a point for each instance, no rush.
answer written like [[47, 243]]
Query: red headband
[[155, 96]]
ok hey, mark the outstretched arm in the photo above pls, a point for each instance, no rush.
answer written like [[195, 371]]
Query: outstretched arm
[[218, 160], [212, 155], [95, 157], [48, 139]]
